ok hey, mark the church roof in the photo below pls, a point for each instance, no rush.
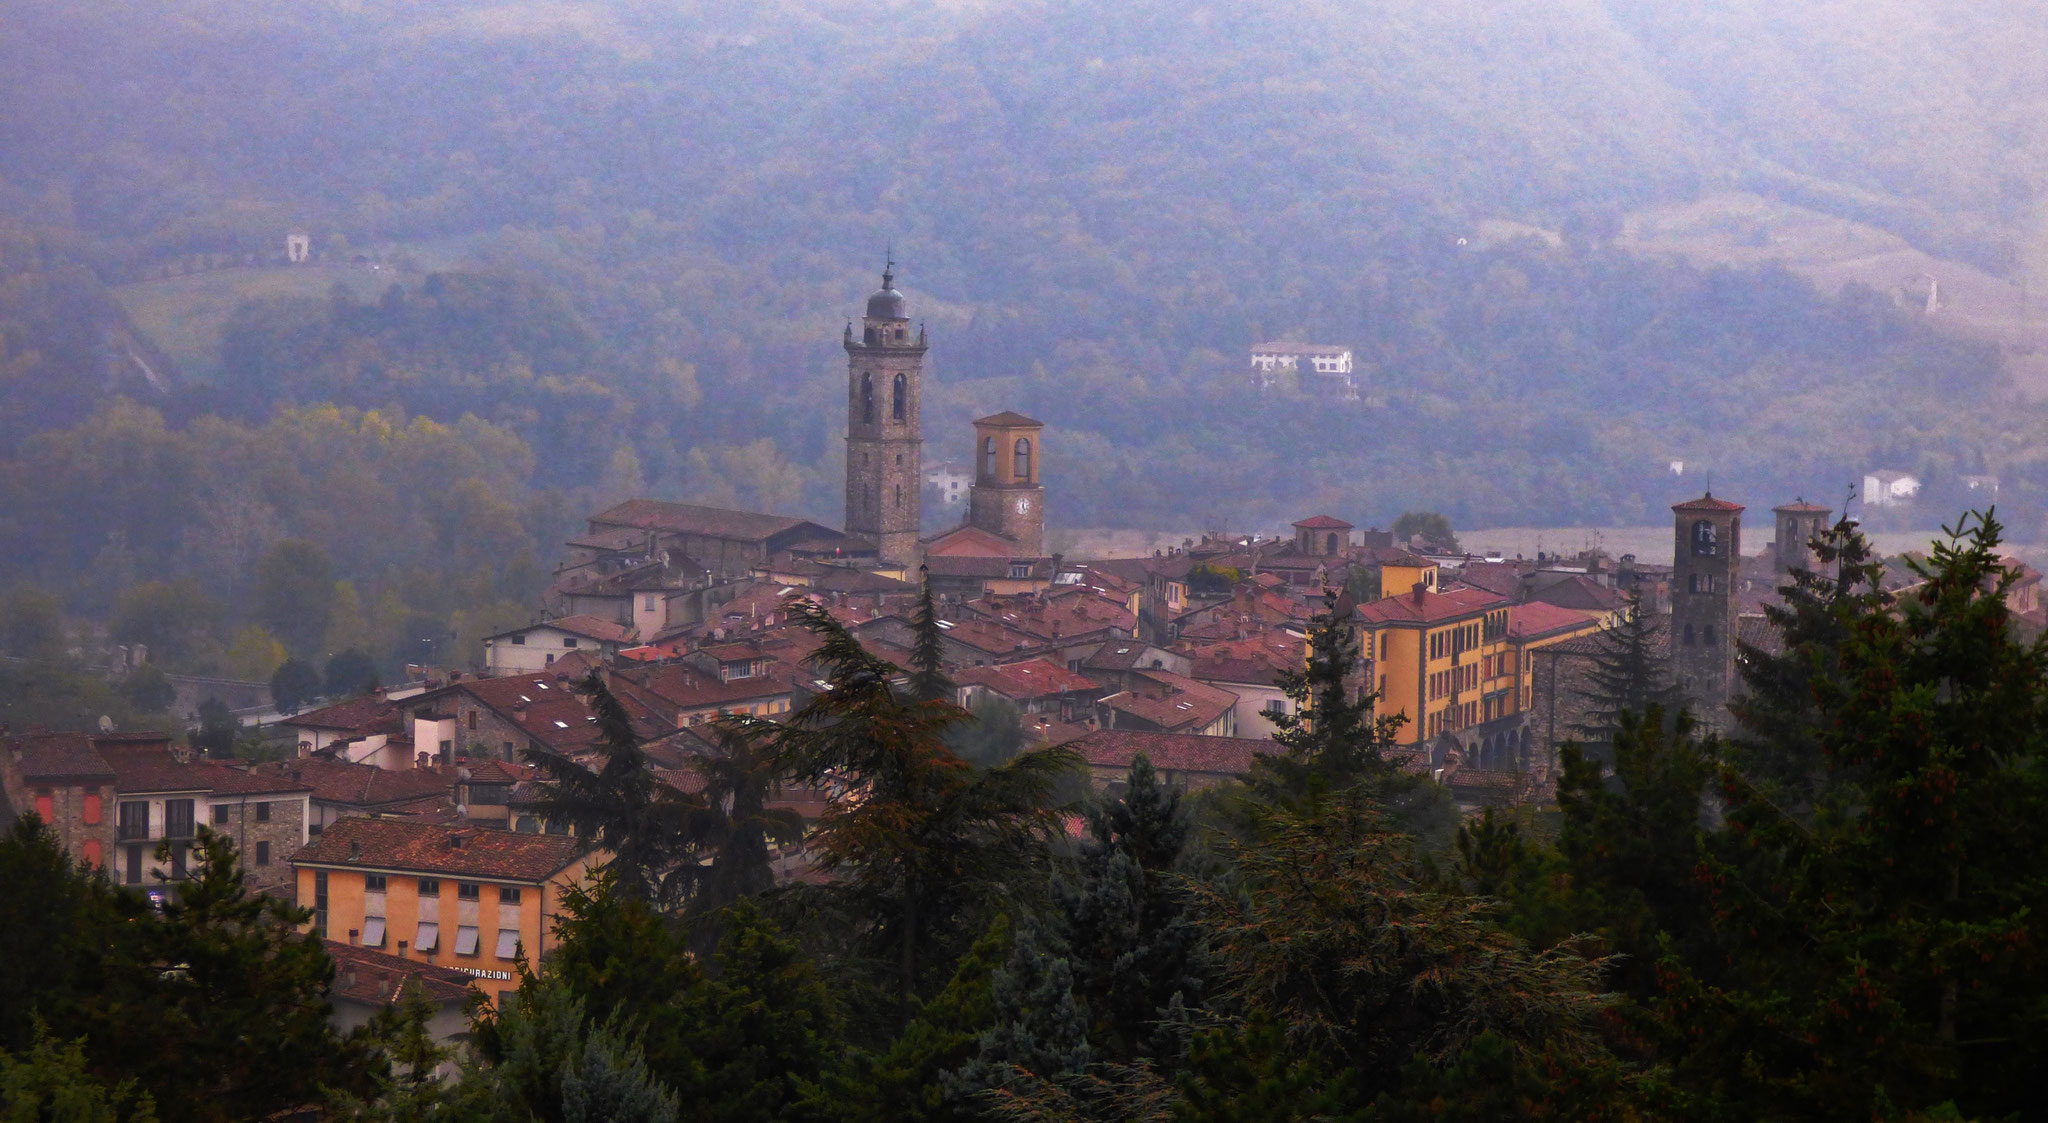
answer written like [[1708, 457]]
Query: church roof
[[887, 303], [1010, 419], [1802, 507], [1707, 502], [1323, 522]]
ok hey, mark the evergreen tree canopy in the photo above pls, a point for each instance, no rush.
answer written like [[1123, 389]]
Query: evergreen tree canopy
[[1628, 676]]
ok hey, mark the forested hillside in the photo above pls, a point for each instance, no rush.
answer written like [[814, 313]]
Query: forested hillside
[[625, 234]]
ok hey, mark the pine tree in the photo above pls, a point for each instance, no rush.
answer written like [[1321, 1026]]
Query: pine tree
[[733, 825], [51, 1080], [1627, 676], [1332, 739], [928, 680], [1040, 1029], [623, 805], [1127, 921], [1777, 747]]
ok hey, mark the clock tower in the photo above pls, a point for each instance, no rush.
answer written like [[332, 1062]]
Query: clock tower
[[884, 437], [1006, 498]]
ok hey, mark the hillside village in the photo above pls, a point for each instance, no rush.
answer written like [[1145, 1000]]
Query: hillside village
[[686, 614]]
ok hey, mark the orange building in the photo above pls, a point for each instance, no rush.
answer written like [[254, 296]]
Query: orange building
[[465, 897], [1441, 659]]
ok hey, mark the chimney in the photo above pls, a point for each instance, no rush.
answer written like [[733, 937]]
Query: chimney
[[351, 942], [1417, 592], [401, 948]]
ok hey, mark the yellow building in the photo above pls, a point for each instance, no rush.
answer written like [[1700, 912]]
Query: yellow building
[[1440, 659], [465, 897]]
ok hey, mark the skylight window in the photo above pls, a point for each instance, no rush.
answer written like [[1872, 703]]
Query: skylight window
[[561, 725]]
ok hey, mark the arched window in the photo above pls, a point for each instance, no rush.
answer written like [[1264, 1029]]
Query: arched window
[[1333, 544], [988, 459], [1703, 538], [1023, 457], [896, 396], [867, 397]]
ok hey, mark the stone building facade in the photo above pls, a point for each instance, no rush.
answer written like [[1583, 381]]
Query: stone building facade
[[884, 433], [1799, 523], [1007, 498], [1706, 561]]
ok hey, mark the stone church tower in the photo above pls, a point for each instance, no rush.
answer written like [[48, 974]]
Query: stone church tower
[[1799, 524], [884, 439], [1007, 498], [1706, 556]]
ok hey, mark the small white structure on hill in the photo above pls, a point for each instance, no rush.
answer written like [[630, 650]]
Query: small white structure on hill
[[1324, 369], [1889, 489], [298, 248]]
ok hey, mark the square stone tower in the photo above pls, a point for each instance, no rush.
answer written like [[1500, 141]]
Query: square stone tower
[[1706, 554], [1007, 498], [1799, 523], [884, 436]]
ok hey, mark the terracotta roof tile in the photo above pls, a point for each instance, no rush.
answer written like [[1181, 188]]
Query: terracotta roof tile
[[1174, 752], [1707, 502], [377, 978], [1323, 522], [60, 756], [432, 848]]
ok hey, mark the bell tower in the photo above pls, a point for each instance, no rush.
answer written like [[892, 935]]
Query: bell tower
[[1706, 556], [884, 436], [1007, 498]]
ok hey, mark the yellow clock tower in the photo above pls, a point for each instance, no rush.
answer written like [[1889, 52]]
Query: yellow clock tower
[[1007, 498]]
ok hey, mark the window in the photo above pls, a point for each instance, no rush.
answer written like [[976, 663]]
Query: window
[[135, 878], [430, 887], [465, 940], [899, 495], [428, 938], [319, 896], [373, 931], [897, 395], [508, 895], [262, 853], [92, 810], [519, 641], [867, 397], [1383, 645], [467, 891], [92, 852], [508, 943], [263, 812], [374, 882], [1275, 707], [220, 814], [988, 459], [46, 806], [1688, 635], [1021, 465], [1703, 544], [471, 715], [178, 818]]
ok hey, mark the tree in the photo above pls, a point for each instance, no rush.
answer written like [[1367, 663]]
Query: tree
[[992, 736], [294, 594], [623, 805], [1433, 528], [149, 690], [1040, 1030], [544, 1060], [293, 684], [1627, 675], [733, 826], [218, 729], [405, 1076], [52, 1081], [1881, 956], [1333, 738], [171, 619], [1777, 746], [350, 673], [31, 622], [928, 836], [928, 680]]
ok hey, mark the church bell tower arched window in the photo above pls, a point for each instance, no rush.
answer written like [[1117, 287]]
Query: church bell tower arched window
[[1023, 460], [867, 398], [896, 395]]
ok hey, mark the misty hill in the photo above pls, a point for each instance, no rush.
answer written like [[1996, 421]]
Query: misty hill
[[1099, 207]]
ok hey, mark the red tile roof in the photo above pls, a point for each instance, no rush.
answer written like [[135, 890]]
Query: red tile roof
[[590, 627], [1171, 701], [362, 785], [686, 518], [377, 978], [1032, 678], [145, 767], [1450, 604], [357, 715], [1323, 522], [1707, 502], [441, 850], [1802, 507], [1172, 752], [60, 756], [1537, 619], [1009, 418]]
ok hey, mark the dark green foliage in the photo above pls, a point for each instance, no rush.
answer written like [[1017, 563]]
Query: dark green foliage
[[1040, 1030], [549, 1063], [992, 735], [1433, 528], [732, 826], [932, 837], [1631, 841], [148, 690], [405, 1074], [218, 728], [50, 1081], [1778, 744], [1332, 739], [349, 673], [31, 622], [52, 922], [294, 593], [622, 805], [294, 684], [928, 681], [1628, 676]]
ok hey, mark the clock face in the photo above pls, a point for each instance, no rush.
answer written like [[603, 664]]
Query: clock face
[[1023, 506]]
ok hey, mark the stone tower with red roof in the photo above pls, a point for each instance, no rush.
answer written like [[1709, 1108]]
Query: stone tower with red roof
[[1007, 498], [884, 435], [1706, 554]]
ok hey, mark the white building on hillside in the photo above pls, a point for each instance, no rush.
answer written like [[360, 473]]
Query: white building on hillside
[[1323, 369], [1889, 489]]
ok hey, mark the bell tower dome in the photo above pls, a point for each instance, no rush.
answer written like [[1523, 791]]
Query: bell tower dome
[[884, 434]]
